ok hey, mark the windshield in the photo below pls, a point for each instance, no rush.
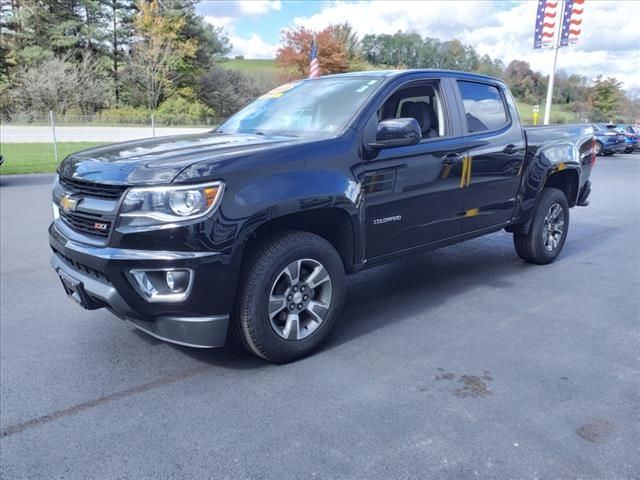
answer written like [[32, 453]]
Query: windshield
[[316, 107]]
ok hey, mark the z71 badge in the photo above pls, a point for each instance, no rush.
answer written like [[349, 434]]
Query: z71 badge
[[380, 221]]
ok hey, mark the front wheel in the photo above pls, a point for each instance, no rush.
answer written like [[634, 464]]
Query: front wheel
[[599, 148], [291, 293], [548, 229]]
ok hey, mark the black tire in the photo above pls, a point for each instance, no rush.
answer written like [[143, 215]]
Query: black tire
[[536, 246], [599, 148], [264, 270]]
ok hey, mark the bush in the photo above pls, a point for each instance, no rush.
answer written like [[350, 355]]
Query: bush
[[229, 90], [124, 115], [61, 86], [178, 110]]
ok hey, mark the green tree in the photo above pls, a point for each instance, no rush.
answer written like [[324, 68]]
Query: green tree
[[118, 17], [410, 50], [489, 66], [344, 33], [211, 43], [605, 99]]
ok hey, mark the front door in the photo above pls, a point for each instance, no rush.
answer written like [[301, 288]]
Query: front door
[[414, 194]]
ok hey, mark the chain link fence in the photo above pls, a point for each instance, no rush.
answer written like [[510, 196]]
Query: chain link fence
[[106, 119], [36, 141]]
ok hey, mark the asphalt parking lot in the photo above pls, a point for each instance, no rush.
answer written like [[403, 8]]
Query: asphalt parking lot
[[461, 363]]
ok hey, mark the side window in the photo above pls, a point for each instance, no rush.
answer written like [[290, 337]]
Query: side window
[[422, 102], [483, 106]]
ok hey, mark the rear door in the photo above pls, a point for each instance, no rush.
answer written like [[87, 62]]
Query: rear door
[[496, 151]]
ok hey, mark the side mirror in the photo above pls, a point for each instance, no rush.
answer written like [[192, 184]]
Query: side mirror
[[397, 132]]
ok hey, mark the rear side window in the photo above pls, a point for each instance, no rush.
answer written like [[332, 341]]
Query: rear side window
[[483, 106]]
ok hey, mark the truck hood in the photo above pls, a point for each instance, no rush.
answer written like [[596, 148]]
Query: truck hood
[[160, 160]]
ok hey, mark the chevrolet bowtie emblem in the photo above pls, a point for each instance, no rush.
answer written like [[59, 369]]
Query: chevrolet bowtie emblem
[[68, 203]]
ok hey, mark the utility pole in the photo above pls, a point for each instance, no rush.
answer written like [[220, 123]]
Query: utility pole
[[556, 47]]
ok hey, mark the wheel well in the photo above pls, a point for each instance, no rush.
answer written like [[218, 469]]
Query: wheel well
[[332, 224], [567, 181]]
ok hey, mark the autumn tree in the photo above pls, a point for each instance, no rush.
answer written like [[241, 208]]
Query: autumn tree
[[524, 83], [294, 55], [160, 54]]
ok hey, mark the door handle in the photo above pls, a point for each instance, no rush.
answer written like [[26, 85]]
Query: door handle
[[510, 149], [452, 159]]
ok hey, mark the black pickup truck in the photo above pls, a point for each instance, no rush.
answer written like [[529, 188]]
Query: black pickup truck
[[250, 229]]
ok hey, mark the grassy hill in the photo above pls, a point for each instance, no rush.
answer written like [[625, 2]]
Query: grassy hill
[[252, 65], [558, 115]]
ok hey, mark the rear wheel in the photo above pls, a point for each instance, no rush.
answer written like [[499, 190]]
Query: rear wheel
[[548, 230], [291, 293]]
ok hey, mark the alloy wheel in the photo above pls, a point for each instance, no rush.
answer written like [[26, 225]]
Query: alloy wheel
[[300, 299], [553, 228]]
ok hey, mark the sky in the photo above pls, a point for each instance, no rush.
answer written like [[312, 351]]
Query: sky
[[609, 44]]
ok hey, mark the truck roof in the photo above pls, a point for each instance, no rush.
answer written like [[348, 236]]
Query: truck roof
[[398, 73]]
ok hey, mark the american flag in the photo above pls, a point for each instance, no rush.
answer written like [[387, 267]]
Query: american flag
[[545, 23], [571, 21], [314, 65]]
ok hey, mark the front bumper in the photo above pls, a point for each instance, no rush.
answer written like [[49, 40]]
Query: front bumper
[[614, 148], [200, 320]]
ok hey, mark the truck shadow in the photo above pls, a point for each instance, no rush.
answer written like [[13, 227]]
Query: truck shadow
[[401, 290], [397, 291], [26, 180]]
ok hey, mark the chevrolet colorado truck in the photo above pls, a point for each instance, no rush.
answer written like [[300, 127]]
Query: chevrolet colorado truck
[[250, 229]]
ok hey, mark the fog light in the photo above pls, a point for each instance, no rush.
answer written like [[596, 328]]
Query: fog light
[[162, 285], [177, 280], [170, 280]]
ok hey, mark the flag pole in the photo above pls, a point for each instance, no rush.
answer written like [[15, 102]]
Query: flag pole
[[556, 47]]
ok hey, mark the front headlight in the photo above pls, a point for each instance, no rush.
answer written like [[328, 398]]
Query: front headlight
[[161, 206]]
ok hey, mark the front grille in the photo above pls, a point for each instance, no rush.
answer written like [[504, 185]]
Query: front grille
[[87, 223], [89, 189]]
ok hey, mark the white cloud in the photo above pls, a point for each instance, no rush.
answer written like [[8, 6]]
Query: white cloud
[[609, 42], [252, 46], [259, 7], [238, 8], [225, 22]]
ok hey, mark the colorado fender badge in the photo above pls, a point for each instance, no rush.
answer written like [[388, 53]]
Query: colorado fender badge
[[381, 221]]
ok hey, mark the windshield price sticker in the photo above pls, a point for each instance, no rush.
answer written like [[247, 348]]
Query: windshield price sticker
[[279, 91]]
